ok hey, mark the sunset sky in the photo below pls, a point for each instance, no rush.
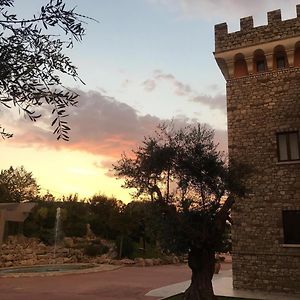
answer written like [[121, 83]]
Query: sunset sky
[[145, 62]]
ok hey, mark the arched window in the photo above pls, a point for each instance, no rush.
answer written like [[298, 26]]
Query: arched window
[[280, 60], [259, 61], [297, 55], [240, 66]]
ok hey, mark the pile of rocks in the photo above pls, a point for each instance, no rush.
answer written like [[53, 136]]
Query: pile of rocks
[[22, 251]]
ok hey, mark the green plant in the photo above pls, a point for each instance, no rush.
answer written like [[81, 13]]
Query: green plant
[[126, 247], [95, 249]]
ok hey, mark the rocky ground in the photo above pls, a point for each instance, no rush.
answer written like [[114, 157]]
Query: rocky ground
[[22, 251]]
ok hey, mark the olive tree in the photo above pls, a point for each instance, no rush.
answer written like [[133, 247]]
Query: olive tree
[[184, 173], [32, 61]]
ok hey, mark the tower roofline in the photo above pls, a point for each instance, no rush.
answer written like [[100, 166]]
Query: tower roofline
[[248, 35]]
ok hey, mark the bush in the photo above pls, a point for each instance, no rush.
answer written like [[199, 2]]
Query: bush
[[47, 236], [129, 247], [95, 249]]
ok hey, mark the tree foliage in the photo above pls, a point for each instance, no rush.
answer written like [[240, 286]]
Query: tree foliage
[[17, 185], [32, 61], [105, 217], [178, 166]]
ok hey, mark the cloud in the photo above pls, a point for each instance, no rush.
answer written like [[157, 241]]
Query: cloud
[[215, 102], [182, 89], [149, 85], [231, 10], [100, 125], [107, 165]]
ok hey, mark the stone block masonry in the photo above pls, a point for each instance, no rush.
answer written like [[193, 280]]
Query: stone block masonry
[[263, 101], [266, 104]]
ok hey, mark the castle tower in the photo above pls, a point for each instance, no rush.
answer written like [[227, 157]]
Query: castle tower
[[262, 68]]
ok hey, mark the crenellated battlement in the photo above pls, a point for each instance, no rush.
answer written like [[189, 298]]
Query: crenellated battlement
[[250, 35], [261, 49]]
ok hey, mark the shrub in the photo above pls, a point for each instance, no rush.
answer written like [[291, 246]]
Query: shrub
[[95, 249], [129, 247]]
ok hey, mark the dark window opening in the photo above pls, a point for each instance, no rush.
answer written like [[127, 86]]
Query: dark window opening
[[280, 62], [240, 68], [261, 66], [288, 146], [291, 226]]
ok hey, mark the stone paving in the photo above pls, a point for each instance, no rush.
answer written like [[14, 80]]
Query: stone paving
[[222, 284]]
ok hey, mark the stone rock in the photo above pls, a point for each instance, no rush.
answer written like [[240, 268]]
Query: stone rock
[[127, 261], [8, 257], [8, 264], [28, 251], [157, 261], [168, 259], [175, 260], [149, 262], [103, 260], [116, 262], [140, 262], [41, 251], [68, 242]]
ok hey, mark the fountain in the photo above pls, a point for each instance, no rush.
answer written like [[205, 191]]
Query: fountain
[[57, 230], [52, 267]]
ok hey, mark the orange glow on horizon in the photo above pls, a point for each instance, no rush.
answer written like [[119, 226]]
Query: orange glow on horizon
[[64, 172]]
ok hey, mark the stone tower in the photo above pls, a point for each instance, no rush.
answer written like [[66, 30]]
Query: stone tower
[[262, 68]]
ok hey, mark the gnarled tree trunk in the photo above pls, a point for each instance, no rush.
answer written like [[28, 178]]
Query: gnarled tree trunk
[[202, 263], [202, 258]]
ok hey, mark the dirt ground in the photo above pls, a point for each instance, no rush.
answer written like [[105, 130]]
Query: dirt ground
[[127, 283]]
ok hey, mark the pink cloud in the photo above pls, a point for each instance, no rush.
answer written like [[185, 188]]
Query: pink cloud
[[100, 125]]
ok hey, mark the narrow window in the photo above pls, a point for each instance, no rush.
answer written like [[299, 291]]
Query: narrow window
[[297, 55], [260, 66], [288, 146], [291, 226], [280, 62], [240, 66], [259, 61]]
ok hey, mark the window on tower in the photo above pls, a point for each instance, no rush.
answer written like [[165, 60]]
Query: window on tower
[[261, 66], [280, 62], [259, 61], [291, 226], [240, 66], [288, 146], [280, 58]]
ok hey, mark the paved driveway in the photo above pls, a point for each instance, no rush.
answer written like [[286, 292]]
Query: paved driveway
[[127, 283]]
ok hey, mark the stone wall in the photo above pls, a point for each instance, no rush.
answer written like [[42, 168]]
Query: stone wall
[[259, 106]]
